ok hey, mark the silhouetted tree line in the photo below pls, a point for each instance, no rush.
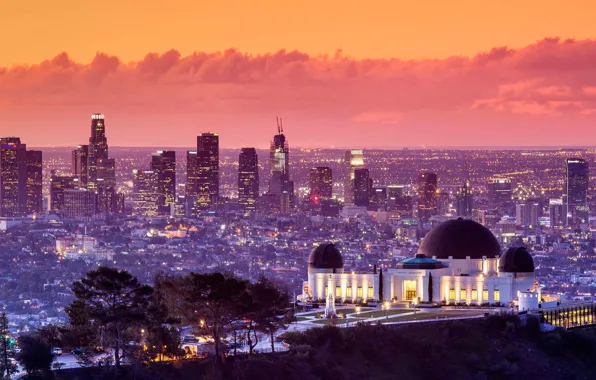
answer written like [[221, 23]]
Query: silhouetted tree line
[[114, 316]]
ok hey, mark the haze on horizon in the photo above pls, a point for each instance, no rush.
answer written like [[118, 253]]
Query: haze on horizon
[[388, 75]]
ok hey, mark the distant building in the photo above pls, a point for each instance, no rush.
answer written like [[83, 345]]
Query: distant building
[[80, 156], [320, 183], [79, 203], [191, 191], [500, 192], [464, 201], [527, 214], [427, 195], [248, 180], [146, 193], [163, 163], [13, 175], [98, 148], [354, 159], [378, 199], [556, 212], [34, 185], [362, 187], [208, 155], [57, 186], [280, 184], [575, 191]]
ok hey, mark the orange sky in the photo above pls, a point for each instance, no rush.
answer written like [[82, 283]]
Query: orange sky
[[35, 30]]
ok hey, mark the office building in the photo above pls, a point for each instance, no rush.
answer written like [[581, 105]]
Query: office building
[[13, 174], [354, 159], [248, 180], [320, 183], [191, 190], [362, 187], [57, 186], [378, 199], [500, 191], [98, 148], [464, 201], [34, 184], [164, 164], [79, 203], [527, 214], [80, 156], [280, 185], [427, 195], [556, 212], [208, 156], [146, 193], [575, 191]]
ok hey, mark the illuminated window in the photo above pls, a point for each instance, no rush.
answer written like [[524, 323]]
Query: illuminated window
[[370, 292], [485, 295], [338, 292], [463, 295], [497, 295], [451, 294], [359, 292], [474, 295], [349, 292]]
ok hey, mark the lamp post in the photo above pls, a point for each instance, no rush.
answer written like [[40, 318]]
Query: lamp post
[[386, 307], [357, 314]]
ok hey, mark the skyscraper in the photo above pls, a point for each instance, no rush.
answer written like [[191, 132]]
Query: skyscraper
[[464, 202], [281, 188], [500, 191], [80, 155], [575, 191], [556, 214], [34, 181], [57, 186], [191, 190], [13, 177], [354, 160], [378, 199], [79, 203], [427, 195], [98, 148], [527, 213], [321, 183], [362, 187], [146, 193], [248, 179], [164, 164], [208, 155]]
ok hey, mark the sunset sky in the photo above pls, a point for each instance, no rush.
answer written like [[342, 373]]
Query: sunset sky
[[341, 73]]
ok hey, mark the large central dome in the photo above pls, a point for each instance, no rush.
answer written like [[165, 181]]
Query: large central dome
[[460, 238], [325, 256]]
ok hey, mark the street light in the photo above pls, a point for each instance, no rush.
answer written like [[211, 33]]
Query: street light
[[357, 313], [386, 307]]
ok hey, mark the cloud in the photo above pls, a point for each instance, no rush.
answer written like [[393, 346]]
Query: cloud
[[543, 85]]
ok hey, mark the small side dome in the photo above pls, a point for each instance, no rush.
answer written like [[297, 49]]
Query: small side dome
[[516, 260], [420, 261], [325, 256]]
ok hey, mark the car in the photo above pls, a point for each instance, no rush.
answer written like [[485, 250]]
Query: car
[[77, 351], [57, 351]]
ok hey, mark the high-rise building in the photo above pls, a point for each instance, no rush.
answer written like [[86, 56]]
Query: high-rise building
[[164, 164], [427, 195], [191, 190], [13, 177], [378, 199], [80, 155], [98, 148], [500, 191], [362, 187], [208, 155], [575, 191], [527, 214], [34, 181], [354, 160], [146, 193], [106, 172], [57, 186], [248, 179], [464, 201], [281, 188], [556, 213], [79, 203], [321, 183]]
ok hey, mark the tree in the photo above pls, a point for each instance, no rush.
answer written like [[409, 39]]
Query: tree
[[269, 310], [210, 303], [381, 295], [430, 287], [114, 300], [6, 367], [36, 355]]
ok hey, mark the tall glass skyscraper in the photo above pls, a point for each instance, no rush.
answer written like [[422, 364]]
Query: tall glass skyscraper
[[354, 160], [34, 181], [575, 191], [98, 147], [146, 193], [13, 177], [208, 156], [164, 164], [248, 179], [362, 187], [321, 183], [80, 156], [427, 195]]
